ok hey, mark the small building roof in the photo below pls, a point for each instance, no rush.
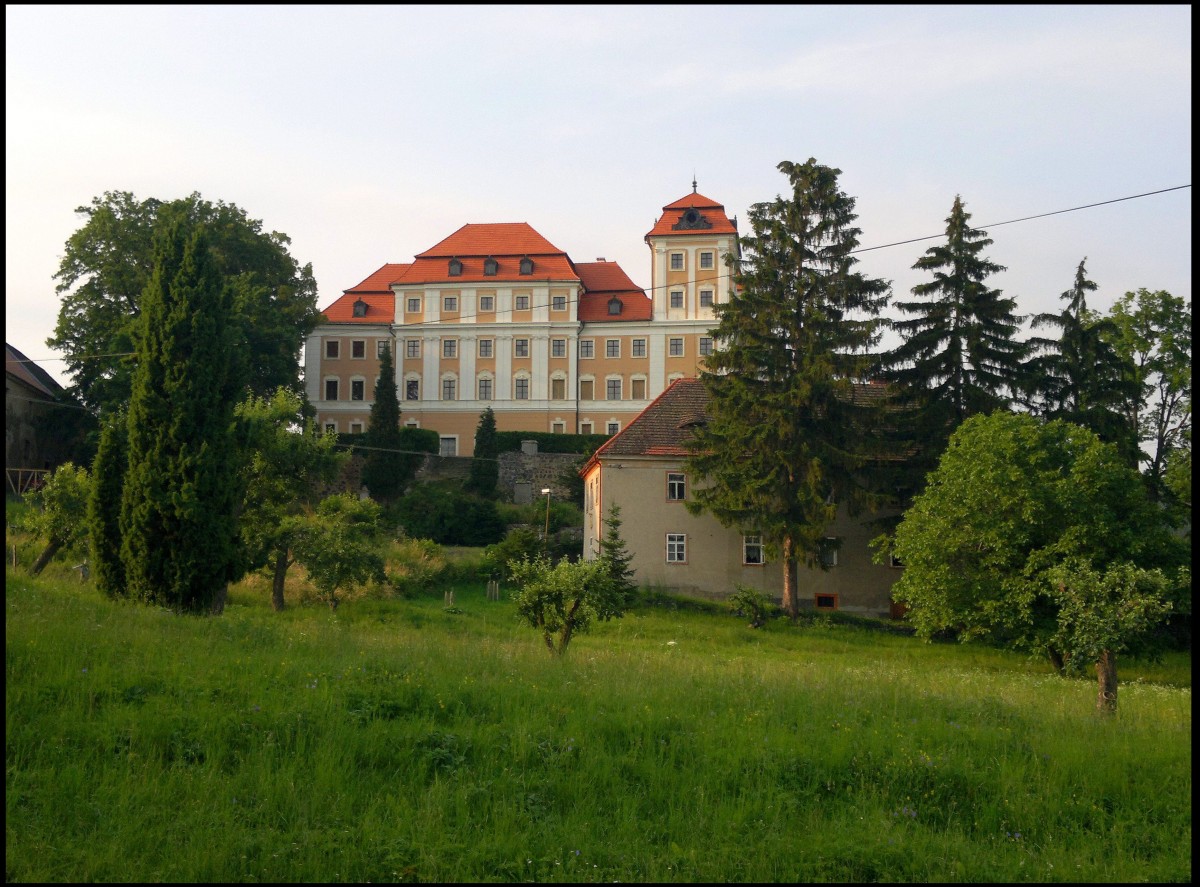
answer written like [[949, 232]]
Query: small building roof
[[29, 373], [602, 281], [707, 218]]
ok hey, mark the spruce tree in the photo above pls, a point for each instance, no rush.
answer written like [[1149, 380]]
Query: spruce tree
[[959, 355], [177, 522], [617, 558], [385, 470], [104, 508], [485, 470], [786, 435], [1079, 376]]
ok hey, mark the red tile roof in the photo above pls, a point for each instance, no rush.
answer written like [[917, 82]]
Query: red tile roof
[[709, 209], [436, 269], [602, 281], [380, 308], [494, 239], [381, 281]]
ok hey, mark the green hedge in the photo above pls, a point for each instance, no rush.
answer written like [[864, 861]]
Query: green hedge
[[418, 440], [584, 444]]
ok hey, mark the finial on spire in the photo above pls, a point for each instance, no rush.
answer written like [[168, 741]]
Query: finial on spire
[[693, 181]]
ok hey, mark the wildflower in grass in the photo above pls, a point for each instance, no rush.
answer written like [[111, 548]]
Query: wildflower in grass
[[670, 643]]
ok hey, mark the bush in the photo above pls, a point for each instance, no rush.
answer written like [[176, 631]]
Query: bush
[[449, 516], [753, 604], [521, 543]]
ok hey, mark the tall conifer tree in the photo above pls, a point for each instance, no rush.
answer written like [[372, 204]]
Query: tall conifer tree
[[177, 511], [104, 507], [385, 469], [485, 470], [1079, 376], [786, 435], [959, 354]]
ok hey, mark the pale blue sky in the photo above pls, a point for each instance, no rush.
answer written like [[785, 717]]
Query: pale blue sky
[[370, 133]]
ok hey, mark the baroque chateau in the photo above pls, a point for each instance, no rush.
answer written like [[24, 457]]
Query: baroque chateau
[[496, 315]]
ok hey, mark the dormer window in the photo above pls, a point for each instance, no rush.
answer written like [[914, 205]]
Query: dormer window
[[489, 267], [360, 308], [614, 305], [527, 265], [455, 268]]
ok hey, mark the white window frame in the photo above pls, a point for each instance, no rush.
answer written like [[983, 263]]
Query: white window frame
[[409, 380], [638, 348], [706, 346], [612, 348], [752, 542], [358, 380], [487, 380], [676, 300], [590, 381], [412, 349], [676, 486], [487, 304], [612, 427], [382, 345], [558, 303], [450, 349], [450, 304], [521, 303], [560, 380], [587, 349], [558, 347], [334, 346], [356, 427], [676, 262], [412, 305], [706, 260], [676, 548], [359, 345], [633, 383], [521, 386], [521, 347], [449, 383], [486, 348], [706, 298], [672, 343], [337, 388], [608, 388]]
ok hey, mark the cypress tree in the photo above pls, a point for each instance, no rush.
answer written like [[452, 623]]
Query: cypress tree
[[485, 470], [786, 436], [959, 355], [177, 519], [104, 508], [386, 470]]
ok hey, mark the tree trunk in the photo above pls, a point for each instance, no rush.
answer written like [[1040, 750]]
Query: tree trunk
[[1057, 660], [46, 556], [791, 605], [217, 605], [1106, 677], [281, 567]]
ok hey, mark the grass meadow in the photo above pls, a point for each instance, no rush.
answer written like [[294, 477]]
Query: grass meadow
[[401, 740]]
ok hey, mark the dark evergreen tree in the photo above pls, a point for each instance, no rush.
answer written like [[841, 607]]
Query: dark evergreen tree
[[1080, 376], [178, 526], [385, 470], [104, 507], [787, 434], [617, 558], [959, 354], [485, 469]]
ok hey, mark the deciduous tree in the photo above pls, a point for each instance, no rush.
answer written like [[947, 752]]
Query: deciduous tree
[[787, 436], [58, 511], [563, 599], [108, 262], [339, 545]]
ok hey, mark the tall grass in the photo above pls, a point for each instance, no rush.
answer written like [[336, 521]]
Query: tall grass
[[399, 741]]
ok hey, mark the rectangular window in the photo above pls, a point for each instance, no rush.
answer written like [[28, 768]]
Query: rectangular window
[[706, 299], [826, 601], [450, 304], [613, 427], [675, 348], [412, 390], [752, 551], [521, 389], [705, 345], [414, 306], [357, 389], [558, 347], [706, 260], [331, 427], [676, 261], [585, 389], [358, 348], [559, 303], [485, 347], [521, 347], [676, 486], [412, 348], [487, 304], [449, 387], [558, 427], [331, 389], [585, 427], [558, 389], [521, 303], [356, 427], [612, 347], [382, 345], [331, 349], [447, 446], [676, 548], [612, 389], [450, 348], [676, 298], [485, 389], [829, 551], [639, 347], [586, 348], [637, 389]]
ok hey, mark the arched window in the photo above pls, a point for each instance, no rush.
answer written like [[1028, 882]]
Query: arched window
[[614, 305], [489, 267], [527, 265], [455, 268], [360, 308]]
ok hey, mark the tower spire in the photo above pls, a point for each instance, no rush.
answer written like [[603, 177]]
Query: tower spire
[[693, 181]]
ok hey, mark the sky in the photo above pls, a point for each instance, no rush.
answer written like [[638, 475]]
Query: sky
[[367, 134]]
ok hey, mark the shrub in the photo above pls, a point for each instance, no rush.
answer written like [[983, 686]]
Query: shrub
[[753, 604]]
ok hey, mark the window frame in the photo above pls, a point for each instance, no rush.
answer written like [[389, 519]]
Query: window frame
[[333, 349], [358, 349], [706, 346], [558, 303], [449, 386], [558, 388], [753, 542], [412, 305], [707, 298], [676, 299], [382, 345], [450, 349], [587, 349], [705, 260], [412, 349], [485, 388], [558, 347], [612, 348], [676, 486], [591, 389], [520, 347], [676, 262], [337, 389], [450, 304], [520, 388], [521, 303], [489, 307], [637, 348], [609, 389], [359, 386], [672, 342], [485, 348], [412, 393], [677, 548]]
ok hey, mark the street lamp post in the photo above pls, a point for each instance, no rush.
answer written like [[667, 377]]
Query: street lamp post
[[546, 537]]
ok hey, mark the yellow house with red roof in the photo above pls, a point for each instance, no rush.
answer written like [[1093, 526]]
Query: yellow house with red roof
[[496, 315]]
